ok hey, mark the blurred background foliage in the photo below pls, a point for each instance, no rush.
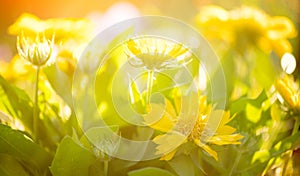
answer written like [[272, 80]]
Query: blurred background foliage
[[262, 98]]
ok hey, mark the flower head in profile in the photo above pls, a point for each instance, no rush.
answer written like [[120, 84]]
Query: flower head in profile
[[156, 53], [37, 51], [200, 133], [246, 27], [289, 91]]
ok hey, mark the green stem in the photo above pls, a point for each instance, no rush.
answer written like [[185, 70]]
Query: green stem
[[290, 152], [106, 168], [236, 162], [149, 85], [36, 107], [296, 125]]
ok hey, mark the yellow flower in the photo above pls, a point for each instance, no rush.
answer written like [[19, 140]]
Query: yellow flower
[[66, 62], [37, 51], [201, 133], [63, 28], [246, 27], [16, 69], [287, 88], [156, 53]]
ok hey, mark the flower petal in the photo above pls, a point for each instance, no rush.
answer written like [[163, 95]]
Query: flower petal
[[210, 151], [225, 139]]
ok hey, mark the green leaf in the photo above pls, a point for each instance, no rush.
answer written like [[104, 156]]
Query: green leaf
[[71, 159], [261, 155], [16, 144], [229, 65], [253, 113], [150, 171], [103, 139], [240, 105], [10, 166], [182, 165], [136, 98], [60, 82], [17, 103], [264, 70]]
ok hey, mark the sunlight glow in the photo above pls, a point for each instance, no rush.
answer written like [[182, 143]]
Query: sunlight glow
[[288, 63]]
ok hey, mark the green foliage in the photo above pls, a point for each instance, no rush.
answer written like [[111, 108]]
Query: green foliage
[[17, 103], [20, 147], [150, 171], [80, 137], [71, 159], [10, 166]]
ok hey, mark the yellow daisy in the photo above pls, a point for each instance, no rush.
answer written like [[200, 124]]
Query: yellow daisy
[[200, 133], [156, 53]]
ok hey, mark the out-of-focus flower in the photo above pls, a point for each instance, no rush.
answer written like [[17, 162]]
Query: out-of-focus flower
[[37, 51], [63, 28], [289, 91], [200, 133], [66, 62], [246, 27], [156, 53], [16, 69]]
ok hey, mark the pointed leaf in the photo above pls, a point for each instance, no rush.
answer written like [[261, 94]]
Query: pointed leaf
[[16, 144], [71, 159], [17, 103], [182, 165]]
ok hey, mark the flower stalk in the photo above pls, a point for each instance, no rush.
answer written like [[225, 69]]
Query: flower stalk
[[36, 107], [38, 52], [149, 85], [155, 54]]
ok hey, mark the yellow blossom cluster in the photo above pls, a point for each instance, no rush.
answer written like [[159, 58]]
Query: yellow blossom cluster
[[246, 27]]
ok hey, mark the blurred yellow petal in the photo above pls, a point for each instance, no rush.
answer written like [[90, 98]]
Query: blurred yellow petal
[[63, 28], [168, 142], [223, 128], [16, 69], [166, 121], [177, 50], [280, 27], [212, 12], [281, 47], [27, 23], [247, 27], [168, 156], [226, 139], [66, 62], [210, 151], [132, 46], [284, 88], [298, 98]]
